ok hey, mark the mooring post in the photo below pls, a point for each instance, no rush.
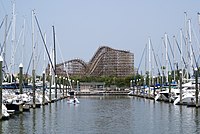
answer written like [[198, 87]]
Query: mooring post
[[137, 86], [139, 89], [77, 86], [43, 92], [196, 86], [63, 81], [50, 87], [66, 86], [60, 79], [1, 77], [20, 84], [149, 87], [180, 76], [154, 86], [20, 78], [33, 88], [56, 86], [169, 79]]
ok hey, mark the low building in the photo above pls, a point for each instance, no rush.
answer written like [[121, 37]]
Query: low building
[[91, 86]]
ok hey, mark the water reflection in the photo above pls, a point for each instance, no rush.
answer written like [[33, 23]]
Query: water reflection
[[21, 124], [43, 120], [106, 114], [1, 131], [34, 120]]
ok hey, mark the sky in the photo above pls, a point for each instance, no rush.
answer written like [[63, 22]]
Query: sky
[[82, 26]]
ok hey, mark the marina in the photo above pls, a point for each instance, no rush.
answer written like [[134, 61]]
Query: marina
[[105, 114], [120, 88]]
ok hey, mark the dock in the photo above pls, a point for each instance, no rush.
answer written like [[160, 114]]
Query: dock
[[101, 93]]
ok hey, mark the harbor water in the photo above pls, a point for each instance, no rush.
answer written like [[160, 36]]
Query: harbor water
[[105, 115]]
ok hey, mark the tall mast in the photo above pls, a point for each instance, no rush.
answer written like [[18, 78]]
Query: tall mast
[[45, 39], [33, 42], [23, 41], [54, 43], [5, 37], [33, 60], [166, 57], [13, 41], [186, 38], [174, 42], [51, 69], [146, 52], [162, 59], [181, 38], [149, 62], [199, 20], [190, 44]]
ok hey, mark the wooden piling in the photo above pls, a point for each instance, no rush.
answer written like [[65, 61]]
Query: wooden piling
[[1, 77], [43, 91], [196, 86], [66, 86], [50, 87], [60, 79], [154, 86], [33, 88], [180, 76], [63, 80], [170, 80], [20, 78], [56, 86]]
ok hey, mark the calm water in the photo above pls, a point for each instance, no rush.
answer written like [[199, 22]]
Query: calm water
[[105, 115]]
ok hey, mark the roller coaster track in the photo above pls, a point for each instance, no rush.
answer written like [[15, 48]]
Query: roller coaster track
[[102, 52], [105, 61], [75, 62]]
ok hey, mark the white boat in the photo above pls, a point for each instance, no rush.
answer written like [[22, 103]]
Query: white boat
[[188, 94], [73, 101], [186, 98], [130, 93], [5, 114], [165, 95]]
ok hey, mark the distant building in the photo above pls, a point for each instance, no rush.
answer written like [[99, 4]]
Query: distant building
[[92, 86], [105, 62]]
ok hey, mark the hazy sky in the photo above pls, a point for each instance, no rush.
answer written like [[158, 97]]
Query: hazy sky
[[82, 26]]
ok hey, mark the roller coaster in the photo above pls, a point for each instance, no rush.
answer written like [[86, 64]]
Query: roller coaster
[[105, 62]]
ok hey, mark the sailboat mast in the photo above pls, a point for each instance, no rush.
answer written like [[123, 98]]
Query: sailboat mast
[[33, 42], [33, 60], [174, 42], [190, 44], [13, 41], [186, 38], [45, 39], [51, 69], [166, 57], [149, 63], [5, 37], [199, 20], [146, 55], [181, 38], [54, 43], [23, 41]]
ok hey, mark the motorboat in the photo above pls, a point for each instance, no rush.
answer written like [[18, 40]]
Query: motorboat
[[165, 95], [187, 97], [188, 94], [73, 101]]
